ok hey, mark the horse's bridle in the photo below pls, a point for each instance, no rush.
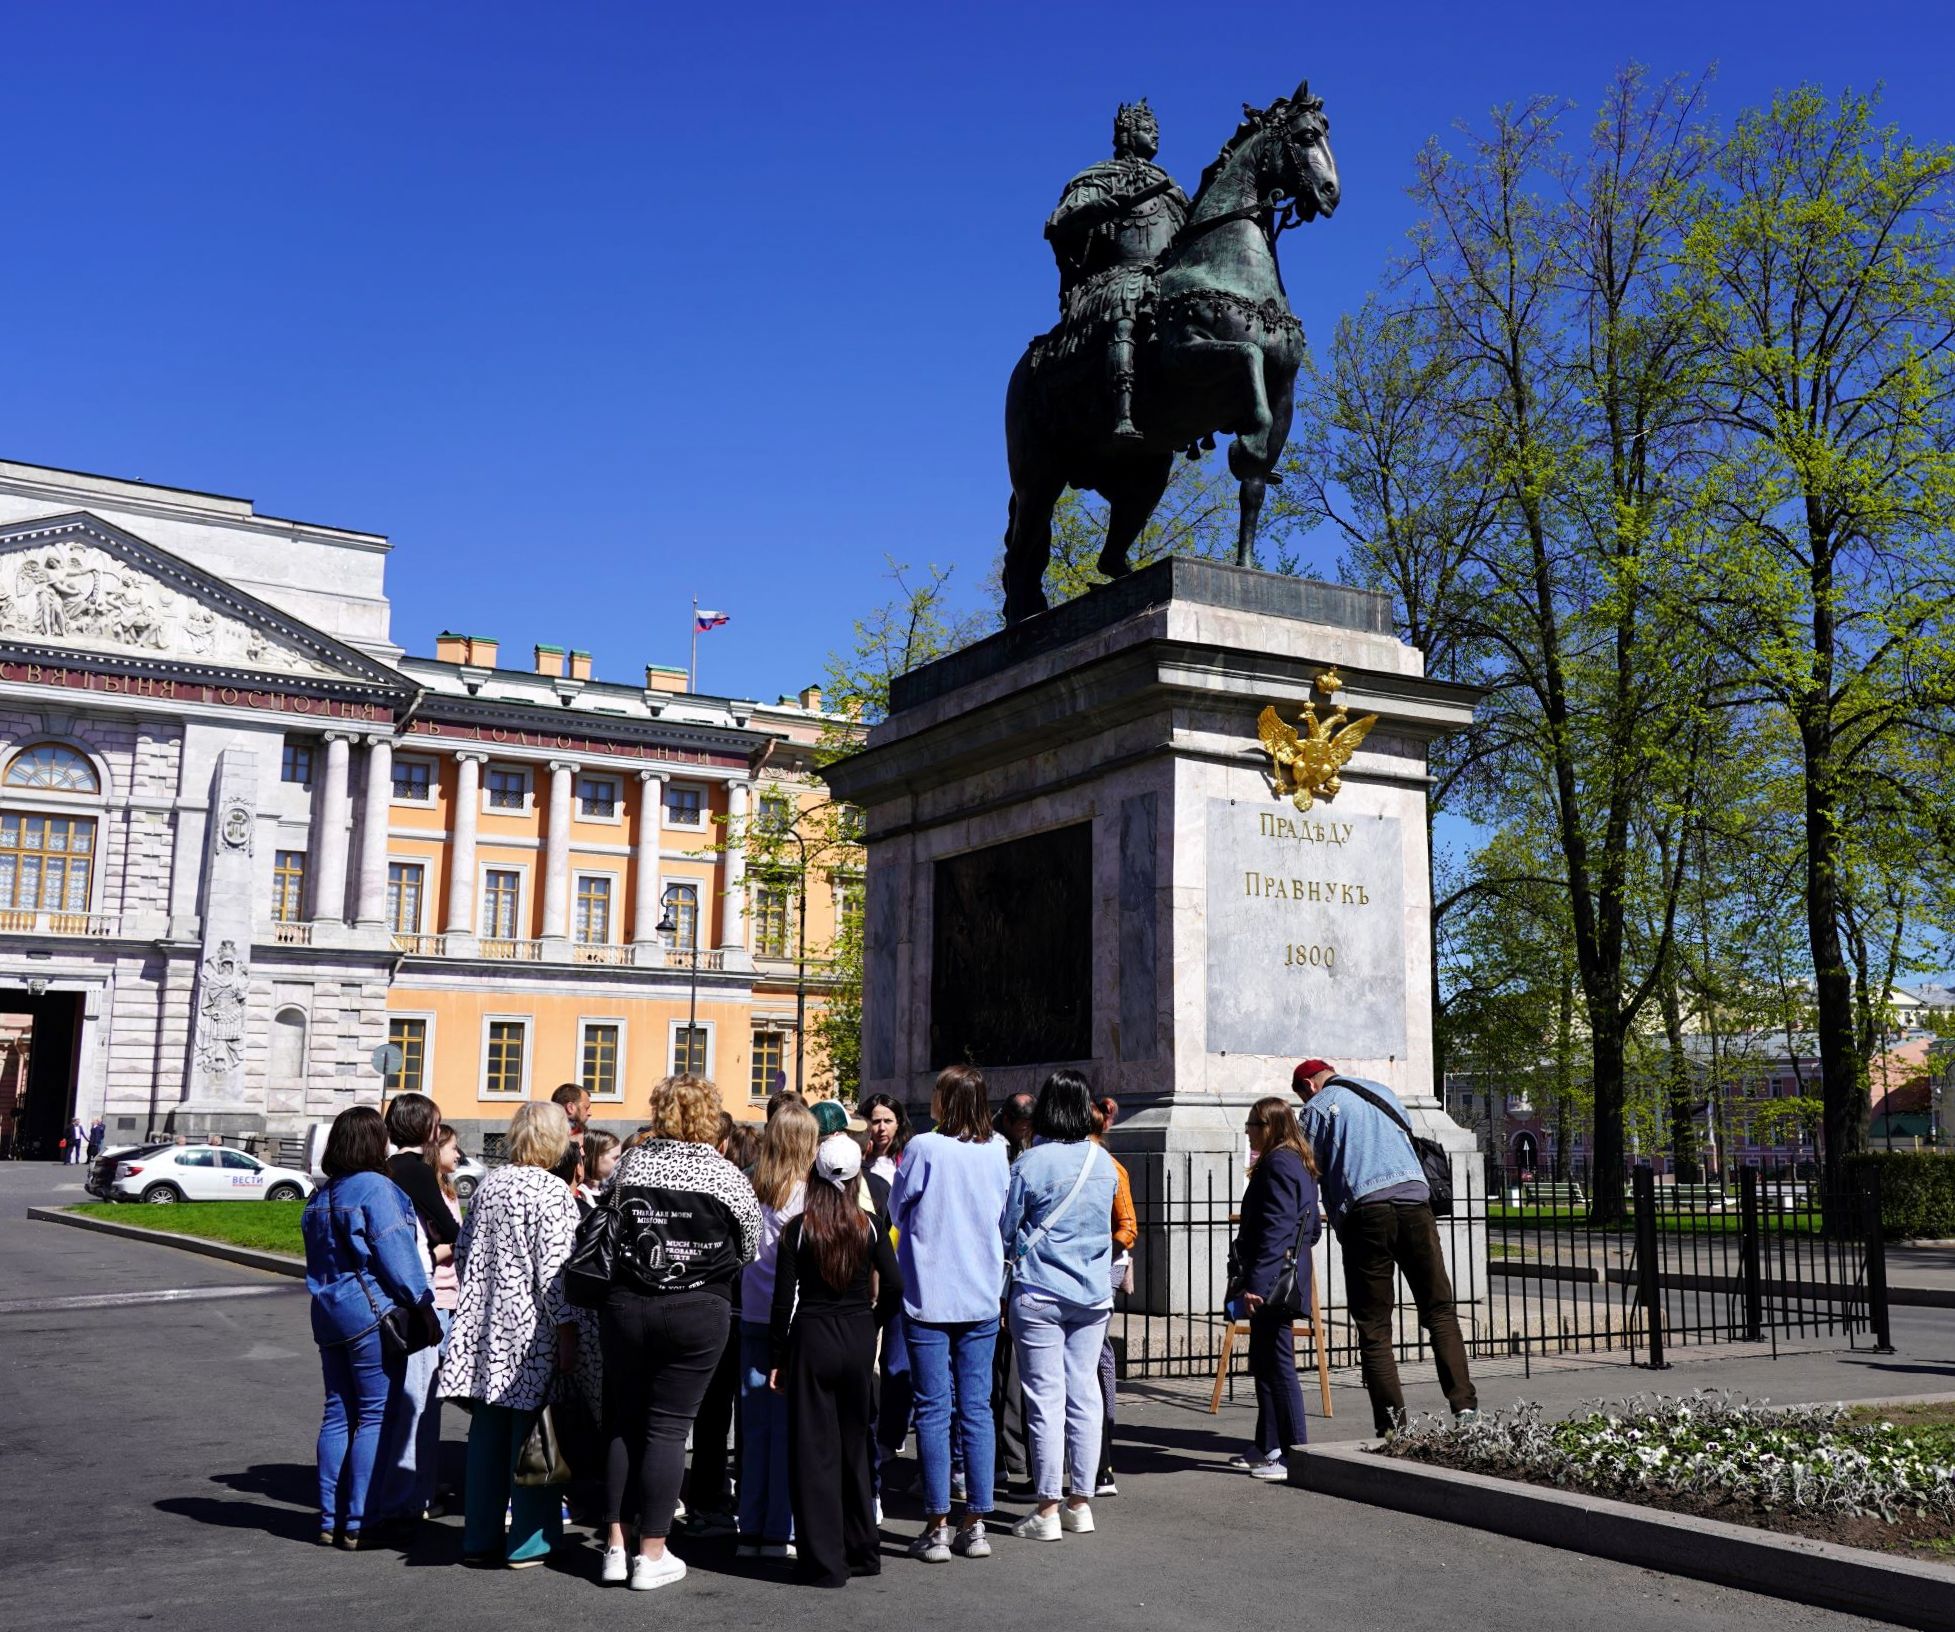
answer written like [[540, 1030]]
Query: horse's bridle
[[1276, 211]]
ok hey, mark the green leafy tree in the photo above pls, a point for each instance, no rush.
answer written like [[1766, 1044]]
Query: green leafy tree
[[1819, 287]]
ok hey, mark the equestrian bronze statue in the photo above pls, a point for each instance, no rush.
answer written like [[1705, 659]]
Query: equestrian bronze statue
[[1174, 328]]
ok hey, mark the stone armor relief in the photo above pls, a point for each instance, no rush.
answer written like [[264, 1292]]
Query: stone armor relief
[[79, 595]]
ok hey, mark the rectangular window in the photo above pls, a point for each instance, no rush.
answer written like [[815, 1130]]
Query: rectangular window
[[685, 807], [851, 823], [770, 922], [502, 891], [288, 886], [689, 1050], [682, 912], [502, 1061], [848, 906], [600, 1073], [508, 790], [593, 926], [597, 796], [776, 813], [769, 1049], [295, 764], [411, 1038], [414, 781], [404, 881], [45, 862]]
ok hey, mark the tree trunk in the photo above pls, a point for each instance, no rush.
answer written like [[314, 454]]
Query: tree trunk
[[1686, 1147], [1606, 1155]]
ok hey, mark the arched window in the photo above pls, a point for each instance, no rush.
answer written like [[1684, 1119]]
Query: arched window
[[48, 767]]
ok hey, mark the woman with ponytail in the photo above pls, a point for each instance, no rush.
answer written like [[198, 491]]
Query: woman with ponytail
[[835, 1275]]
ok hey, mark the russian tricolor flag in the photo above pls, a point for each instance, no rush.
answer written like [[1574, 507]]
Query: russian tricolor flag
[[702, 621]]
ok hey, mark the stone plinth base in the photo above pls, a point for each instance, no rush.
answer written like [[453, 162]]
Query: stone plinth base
[[1077, 856]]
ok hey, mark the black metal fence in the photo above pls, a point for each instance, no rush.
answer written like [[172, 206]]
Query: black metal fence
[[1538, 1270]]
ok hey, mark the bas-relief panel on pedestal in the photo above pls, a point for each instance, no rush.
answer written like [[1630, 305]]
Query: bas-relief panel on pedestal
[[79, 595], [1011, 973], [1306, 932]]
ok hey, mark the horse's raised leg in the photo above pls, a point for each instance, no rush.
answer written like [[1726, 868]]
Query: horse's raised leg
[[1232, 373], [1254, 475], [1129, 504]]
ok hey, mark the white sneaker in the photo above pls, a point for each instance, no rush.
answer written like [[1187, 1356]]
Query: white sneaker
[[1079, 1520], [932, 1546], [1242, 1462], [1036, 1526], [648, 1573], [1106, 1487], [779, 1549], [971, 1541], [1272, 1470], [616, 1566], [958, 1490]]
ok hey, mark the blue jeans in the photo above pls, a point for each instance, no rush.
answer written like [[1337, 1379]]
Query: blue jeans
[[1058, 1346], [495, 1435], [766, 1510], [358, 1379], [937, 1353], [410, 1436]]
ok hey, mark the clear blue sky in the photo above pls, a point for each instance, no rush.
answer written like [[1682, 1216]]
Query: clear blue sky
[[595, 306]]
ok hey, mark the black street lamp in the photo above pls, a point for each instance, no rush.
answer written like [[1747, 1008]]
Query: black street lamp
[[668, 925]]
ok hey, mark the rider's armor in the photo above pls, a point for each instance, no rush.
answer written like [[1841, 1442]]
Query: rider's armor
[[1112, 225]]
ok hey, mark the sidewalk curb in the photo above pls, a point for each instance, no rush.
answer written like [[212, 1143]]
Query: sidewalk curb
[[1903, 1591], [277, 1263]]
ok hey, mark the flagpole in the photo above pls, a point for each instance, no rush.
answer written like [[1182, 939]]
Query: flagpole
[[692, 666]]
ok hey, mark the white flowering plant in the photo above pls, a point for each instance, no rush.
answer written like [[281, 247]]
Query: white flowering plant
[[1812, 1460]]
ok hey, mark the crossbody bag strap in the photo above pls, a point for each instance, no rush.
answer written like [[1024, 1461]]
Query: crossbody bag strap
[[1370, 1098], [1066, 1201]]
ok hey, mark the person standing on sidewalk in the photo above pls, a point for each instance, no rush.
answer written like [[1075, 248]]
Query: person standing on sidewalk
[[1058, 1235], [1375, 1192], [835, 1272], [1279, 1216], [946, 1204]]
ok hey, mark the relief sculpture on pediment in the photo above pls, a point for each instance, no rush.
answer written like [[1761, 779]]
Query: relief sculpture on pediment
[[77, 594]]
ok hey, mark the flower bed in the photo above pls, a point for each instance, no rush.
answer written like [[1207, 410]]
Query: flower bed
[[1884, 1481]]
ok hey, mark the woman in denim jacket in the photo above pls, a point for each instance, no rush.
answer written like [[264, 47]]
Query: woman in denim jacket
[[362, 1257]]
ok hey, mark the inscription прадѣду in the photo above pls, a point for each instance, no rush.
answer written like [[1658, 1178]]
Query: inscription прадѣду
[[1306, 928]]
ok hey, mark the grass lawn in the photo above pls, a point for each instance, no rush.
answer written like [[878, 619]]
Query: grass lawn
[[1667, 1223], [269, 1226]]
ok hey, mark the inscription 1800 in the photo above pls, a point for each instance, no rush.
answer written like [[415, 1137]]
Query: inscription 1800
[[1306, 926]]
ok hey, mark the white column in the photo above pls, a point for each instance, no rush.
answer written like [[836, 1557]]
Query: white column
[[733, 923], [329, 835], [371, 910], [645, 903], [461, 848], [556, 861]]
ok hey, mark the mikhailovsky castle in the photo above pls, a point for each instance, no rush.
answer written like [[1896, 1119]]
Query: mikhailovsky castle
[[246, 842]]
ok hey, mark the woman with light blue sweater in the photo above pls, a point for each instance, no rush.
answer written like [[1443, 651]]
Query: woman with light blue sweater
[[1058, 1233], [945, 1206]]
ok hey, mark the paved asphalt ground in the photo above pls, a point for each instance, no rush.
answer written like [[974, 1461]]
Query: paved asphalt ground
[[156, 1471]]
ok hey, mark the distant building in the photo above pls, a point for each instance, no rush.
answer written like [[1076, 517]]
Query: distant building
[[246, 841]]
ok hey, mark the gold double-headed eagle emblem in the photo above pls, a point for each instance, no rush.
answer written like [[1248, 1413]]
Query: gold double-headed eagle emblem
[[1305, 763]]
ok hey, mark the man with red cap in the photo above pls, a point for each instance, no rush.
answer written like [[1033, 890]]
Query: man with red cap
[[1375, 1192]]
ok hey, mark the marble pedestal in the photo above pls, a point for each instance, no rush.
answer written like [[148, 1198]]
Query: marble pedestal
[[1076, 856]]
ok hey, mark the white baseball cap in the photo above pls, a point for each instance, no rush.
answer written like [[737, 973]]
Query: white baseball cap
[[838, 1159]]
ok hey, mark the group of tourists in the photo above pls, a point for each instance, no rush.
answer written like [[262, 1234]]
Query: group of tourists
[[832, 1285]]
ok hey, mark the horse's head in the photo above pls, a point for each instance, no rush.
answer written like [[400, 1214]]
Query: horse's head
[[1296, 159]]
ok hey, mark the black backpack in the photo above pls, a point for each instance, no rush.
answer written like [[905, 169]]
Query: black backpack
[[1436, 1166]]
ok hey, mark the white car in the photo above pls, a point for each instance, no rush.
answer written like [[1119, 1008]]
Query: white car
[[469, 1172], [204, 1173]]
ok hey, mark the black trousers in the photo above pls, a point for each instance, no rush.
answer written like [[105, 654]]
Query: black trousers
[[709, 1488], [1383, 1240], [659, 1355], [831, 1369], [1008, 1408]]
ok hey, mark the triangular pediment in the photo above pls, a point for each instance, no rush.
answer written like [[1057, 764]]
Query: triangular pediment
[[76, 585]]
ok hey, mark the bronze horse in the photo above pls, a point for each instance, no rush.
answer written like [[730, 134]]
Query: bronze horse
[[1221, 356]]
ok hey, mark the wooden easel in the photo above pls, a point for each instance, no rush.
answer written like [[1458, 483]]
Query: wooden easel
[[1314, 1326]]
